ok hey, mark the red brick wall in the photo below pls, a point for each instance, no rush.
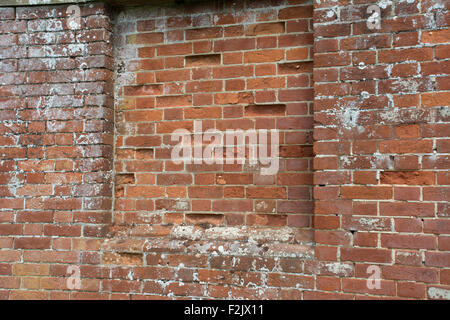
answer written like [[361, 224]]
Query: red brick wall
[[56, 126], [381, 147], [241, 65], [140, 226]]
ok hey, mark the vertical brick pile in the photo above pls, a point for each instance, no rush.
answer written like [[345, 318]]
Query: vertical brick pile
[[231, 65], [56, 113], [381, 147]]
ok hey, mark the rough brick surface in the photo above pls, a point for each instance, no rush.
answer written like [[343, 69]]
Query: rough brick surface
[[381, 113], [56, 124], [87, 180], [230, 67]]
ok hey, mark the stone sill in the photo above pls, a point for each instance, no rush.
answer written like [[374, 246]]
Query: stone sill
[[209, 247], [227, 241]]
